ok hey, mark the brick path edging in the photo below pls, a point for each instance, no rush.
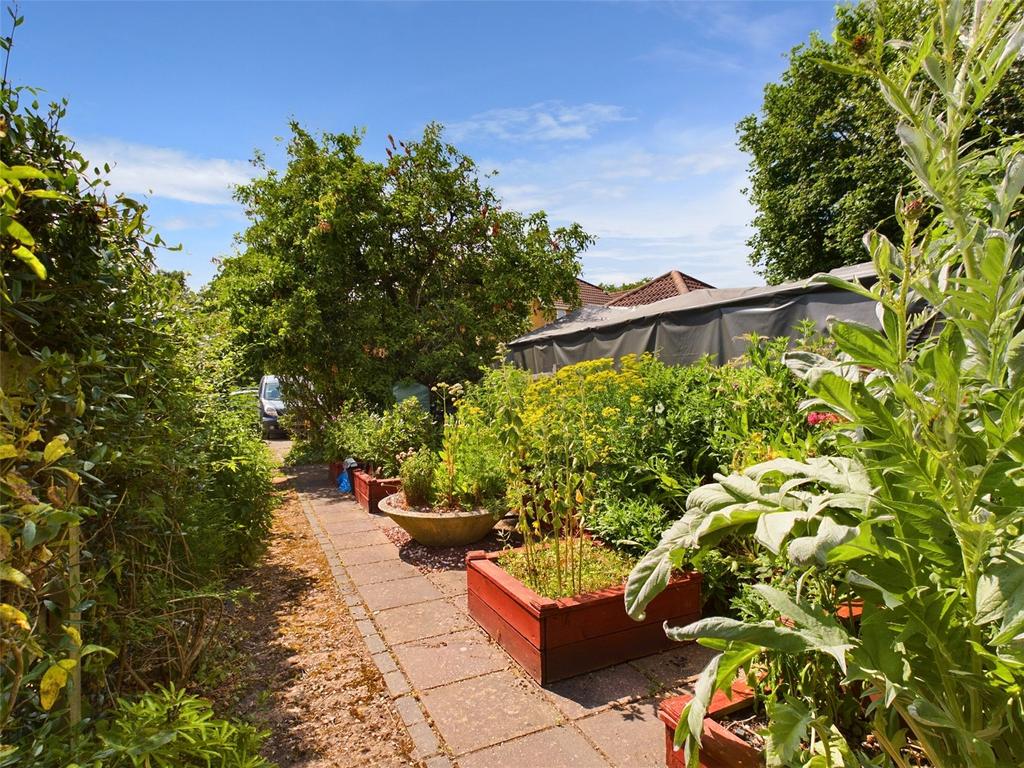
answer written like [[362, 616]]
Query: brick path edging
[[425, 741]]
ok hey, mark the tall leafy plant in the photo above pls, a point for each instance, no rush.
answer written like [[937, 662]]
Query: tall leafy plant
[[921, 516]]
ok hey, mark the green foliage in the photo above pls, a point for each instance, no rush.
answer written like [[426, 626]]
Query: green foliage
[[826, 160], [377, 439], [599, 568], [356, 274], [130, 483], [417, 473], [403, 427], [920, 517], [171, 728], [632, 525], [474, 459]]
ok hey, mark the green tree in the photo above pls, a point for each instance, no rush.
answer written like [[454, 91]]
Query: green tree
[[355, 273], [825, 157]]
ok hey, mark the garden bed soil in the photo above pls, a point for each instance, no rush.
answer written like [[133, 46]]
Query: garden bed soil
[[728, 740], [557, 639], [370, 490], [291, 660]]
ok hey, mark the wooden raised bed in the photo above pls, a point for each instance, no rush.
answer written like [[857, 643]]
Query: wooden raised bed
[[556, 639], [370, 490], [720, 747]]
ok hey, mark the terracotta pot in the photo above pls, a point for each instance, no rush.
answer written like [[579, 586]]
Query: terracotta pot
[[556, 639], [720, 747], [452, 529], [370, 490]]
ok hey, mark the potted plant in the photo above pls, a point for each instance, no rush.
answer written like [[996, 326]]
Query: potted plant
[[414, 510], [403, 427]]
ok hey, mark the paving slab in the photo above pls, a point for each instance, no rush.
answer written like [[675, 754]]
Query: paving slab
[[630, 735], [449, 658], [415, 622], [382, 570], [335, 527], [449, 582], [392, 594], [359, 539], [372, 554], [483, 711], [560, 747], [675, 669], [584, 695]]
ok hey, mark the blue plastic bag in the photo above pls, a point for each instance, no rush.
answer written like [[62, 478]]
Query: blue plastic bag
[[343, 484]]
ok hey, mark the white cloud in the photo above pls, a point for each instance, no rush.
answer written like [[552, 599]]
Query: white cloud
[[139, 169], [670, 199], [543, 121]]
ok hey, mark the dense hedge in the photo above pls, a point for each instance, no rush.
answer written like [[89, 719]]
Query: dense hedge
[[130, 482]]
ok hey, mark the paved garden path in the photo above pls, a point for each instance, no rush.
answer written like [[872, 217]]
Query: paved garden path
[[464, 701]]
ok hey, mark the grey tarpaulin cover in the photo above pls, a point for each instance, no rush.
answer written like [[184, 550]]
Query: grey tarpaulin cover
[[683, 329]]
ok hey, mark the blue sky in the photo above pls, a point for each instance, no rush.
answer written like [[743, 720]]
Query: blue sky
[[620, 116]]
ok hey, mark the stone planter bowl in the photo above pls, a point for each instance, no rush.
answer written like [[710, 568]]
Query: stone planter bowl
[[452, 529]]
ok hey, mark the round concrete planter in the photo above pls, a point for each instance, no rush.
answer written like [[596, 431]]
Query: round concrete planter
[[451, 529]]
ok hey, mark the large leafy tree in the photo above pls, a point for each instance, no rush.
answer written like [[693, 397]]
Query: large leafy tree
[[824, 154], [355, 273]]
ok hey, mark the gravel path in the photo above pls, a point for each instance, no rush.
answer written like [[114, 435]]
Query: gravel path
[[291, 660]]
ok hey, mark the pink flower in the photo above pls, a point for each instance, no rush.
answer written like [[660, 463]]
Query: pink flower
[[816, 418]]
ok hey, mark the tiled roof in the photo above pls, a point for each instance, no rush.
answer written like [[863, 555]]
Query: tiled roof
[[674, 283], [590, 295]]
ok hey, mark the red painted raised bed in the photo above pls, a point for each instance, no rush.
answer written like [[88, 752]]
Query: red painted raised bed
[[556, 639], [334, 469], [720, 747], [369, 490]]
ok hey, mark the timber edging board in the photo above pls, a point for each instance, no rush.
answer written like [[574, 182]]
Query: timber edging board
[[557, 639]]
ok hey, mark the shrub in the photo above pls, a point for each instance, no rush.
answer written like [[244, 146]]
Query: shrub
[[403, 427], [170, 727], [417, 473], [130, 482]]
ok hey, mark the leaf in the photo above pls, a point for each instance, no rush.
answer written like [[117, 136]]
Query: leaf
[[9, 573], [17, 230], [809, 549], [819, 631], [774, 527], [650, 576], [865, 345], [11, 615], [55, 449], [30, 259], [74, 634], [23, 172], [54, 680], [8, 451], [789, 721]]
